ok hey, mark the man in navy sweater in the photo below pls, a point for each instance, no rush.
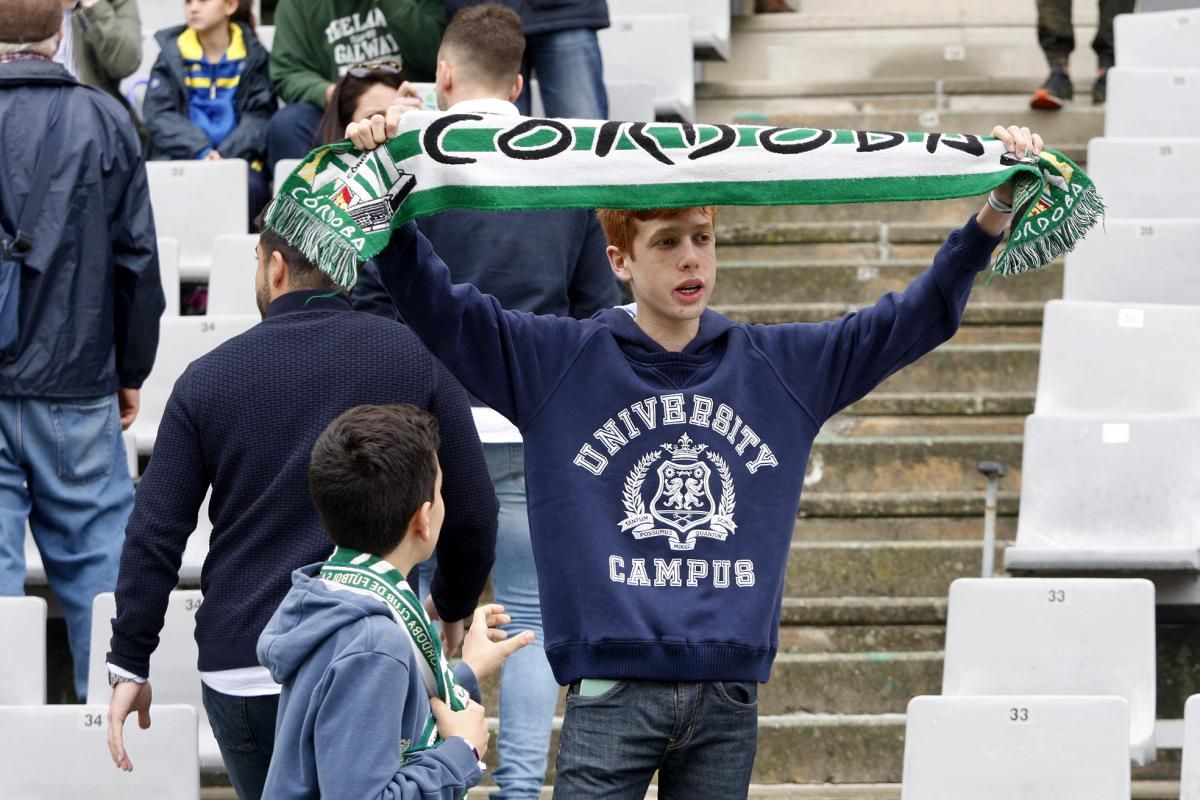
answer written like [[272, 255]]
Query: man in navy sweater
[[242, 419], [542, 262], [665, 454]]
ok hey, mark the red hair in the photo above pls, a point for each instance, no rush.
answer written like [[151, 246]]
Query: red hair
[[620, 226]]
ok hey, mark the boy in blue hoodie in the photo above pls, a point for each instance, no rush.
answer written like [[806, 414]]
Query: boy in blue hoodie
[[370, 708], [210, 94], [665, 452]]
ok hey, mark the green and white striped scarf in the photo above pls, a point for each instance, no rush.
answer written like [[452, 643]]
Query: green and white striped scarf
[[340, 205], [367, 573]]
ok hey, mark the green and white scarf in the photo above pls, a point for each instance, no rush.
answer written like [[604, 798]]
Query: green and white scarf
[[340, 205], [367, 573]]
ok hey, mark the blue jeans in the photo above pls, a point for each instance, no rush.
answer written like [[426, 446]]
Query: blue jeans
[[701, 737], [569, 72], [245, 731], [528, 691], [291, 133], [62, 467]]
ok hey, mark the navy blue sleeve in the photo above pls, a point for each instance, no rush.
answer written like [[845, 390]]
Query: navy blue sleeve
[[510, 360], [139, 300], [593, 284], [370, 296], [467, 546], [831, 365], [364, 693], [168, 499]]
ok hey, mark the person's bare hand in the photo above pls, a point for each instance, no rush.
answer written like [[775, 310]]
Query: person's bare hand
[[128, 401], [367, 134], [486, 646], [213, 155], [1020, 142], [470, 723], [127, 697], [452, 632]]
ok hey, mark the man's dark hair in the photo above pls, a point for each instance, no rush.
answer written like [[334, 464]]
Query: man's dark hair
[[488, 40], [370, 471], [302, 273]]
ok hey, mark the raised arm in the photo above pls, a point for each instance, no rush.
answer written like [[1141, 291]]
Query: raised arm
[[510, 360]]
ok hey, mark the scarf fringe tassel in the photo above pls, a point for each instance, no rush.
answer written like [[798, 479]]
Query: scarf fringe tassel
[[1040, 251], [306, 232]]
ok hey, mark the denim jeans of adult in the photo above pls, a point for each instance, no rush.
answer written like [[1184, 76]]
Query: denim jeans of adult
[[63, 468], [245, 731], [528, 691], [701, 737], [569, 72]]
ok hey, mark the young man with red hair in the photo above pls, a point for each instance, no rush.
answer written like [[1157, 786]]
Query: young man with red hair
[[665, 451]]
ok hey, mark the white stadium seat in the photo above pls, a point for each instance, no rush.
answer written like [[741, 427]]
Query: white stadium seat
[[1152, 102], [1116, 358], [197, 546], [1056, 636], [710, 21], [173, 671], [283, 168], [23, 668], [196, 201], [168, 272], [1109, 493], [266, 35], [61, 751], [1027, 747], [1136, 261], [231, 281], [1147, 178], [1167, 39], [657, 47], [631, 101], [1189, 781], [181, 341]]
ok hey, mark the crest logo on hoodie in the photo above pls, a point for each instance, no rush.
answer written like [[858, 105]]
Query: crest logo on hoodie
[[684, 506]]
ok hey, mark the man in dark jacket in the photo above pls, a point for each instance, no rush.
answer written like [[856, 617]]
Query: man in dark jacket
[[90, 299], [562, 50], [243, 419]]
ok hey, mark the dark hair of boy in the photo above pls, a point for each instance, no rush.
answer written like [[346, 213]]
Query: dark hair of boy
[[370, 471], [487, 42], [302, 272]]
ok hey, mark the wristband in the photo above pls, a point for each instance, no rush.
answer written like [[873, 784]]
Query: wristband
[[997, 204]]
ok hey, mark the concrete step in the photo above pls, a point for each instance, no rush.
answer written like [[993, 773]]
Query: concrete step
[[908, 465], [777, 281], [925, 425], [979, 368], [901, 504], [977, 312], [1068, 130], [944, 212], [900, 529], [914, 13], [944, 403], [892, 569], [791, 50]]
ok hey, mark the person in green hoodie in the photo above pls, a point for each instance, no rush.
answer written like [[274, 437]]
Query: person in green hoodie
[[318, 41]]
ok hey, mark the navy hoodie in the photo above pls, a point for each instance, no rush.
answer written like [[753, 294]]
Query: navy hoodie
[[663, 486], [352, 696]]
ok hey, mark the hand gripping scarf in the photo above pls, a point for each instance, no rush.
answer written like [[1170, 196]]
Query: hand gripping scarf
[[372, 575], [340, 205]]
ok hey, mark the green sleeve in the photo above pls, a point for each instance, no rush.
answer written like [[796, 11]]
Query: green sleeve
[[301, 66], [113, 30], [417, 26]]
